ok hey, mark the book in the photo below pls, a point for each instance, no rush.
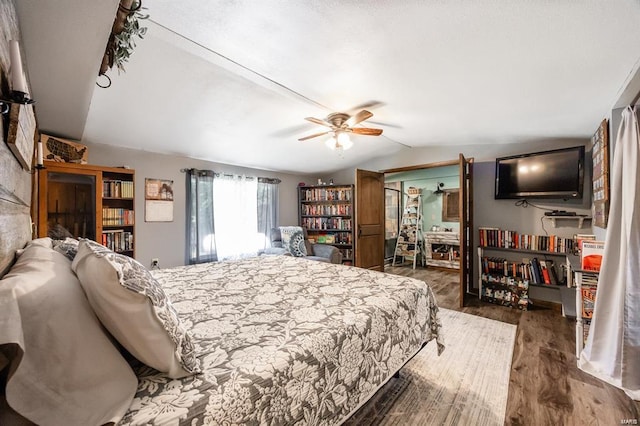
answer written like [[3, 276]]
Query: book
[[546, 276], [591, 255], [579, 238]]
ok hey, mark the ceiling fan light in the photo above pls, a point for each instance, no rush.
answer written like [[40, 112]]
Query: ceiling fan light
[[331, 143], [344, 141]]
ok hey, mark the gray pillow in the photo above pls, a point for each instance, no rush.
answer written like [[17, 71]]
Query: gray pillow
[[132, 305], [293, 240], [67, 370]]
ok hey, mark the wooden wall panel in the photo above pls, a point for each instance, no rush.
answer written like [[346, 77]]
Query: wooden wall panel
[[15, 182]]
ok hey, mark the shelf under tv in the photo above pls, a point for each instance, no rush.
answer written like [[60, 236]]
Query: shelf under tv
[[579, 218]]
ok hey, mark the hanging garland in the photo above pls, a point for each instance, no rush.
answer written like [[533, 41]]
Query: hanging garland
[[122, 41]]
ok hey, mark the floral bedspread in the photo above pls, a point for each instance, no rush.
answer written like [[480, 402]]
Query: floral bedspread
[[284, 340]]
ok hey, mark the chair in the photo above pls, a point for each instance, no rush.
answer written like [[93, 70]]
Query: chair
[[320, 252]]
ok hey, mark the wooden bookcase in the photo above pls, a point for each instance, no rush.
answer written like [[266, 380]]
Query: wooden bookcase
[[327, 213], [89, 201]]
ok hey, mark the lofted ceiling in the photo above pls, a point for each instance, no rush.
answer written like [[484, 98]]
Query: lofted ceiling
[[232, 81]]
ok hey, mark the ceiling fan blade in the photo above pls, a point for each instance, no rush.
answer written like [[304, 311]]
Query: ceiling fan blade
[[318, 121], [314, 135], [359, 117], [368, 105], [366, 131]]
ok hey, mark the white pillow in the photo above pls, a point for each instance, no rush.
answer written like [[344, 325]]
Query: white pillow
[[67, 370], [133, 307]]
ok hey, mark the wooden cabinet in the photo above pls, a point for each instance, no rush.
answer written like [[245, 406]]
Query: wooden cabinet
[[327, 214], [88, 201], [442, 249]]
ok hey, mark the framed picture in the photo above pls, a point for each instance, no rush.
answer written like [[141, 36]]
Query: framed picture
[[158, 200], [63, 150], [451, 205], [22, 128], [600, 154]]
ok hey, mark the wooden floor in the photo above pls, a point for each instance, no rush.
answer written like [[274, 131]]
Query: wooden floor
[[545, 386]]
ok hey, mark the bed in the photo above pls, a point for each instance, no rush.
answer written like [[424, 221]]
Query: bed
[[284, 340], [278, 340]]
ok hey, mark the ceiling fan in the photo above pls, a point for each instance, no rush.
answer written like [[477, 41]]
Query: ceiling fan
[[341, 125]]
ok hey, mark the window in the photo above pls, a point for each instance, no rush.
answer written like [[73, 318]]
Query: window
[[229, 216]]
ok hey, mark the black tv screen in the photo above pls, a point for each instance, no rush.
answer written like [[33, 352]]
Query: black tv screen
[[549, 174]]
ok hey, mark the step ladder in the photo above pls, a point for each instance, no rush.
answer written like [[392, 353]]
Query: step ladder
[[410, 238]]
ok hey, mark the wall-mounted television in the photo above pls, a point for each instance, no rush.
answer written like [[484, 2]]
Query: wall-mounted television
[[550, 174]]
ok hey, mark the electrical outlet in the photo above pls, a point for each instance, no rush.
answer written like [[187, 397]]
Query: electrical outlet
[[155, 263]]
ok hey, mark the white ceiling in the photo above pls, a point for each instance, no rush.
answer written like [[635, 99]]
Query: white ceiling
[[231, 81]]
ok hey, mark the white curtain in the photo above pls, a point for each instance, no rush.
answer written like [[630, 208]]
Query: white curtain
[[612, 351], [235, 210]]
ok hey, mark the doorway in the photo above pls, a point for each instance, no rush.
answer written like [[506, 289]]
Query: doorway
[[448, 213]]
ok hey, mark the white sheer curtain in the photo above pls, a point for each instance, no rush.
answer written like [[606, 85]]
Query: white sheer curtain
[[235, 209], [612, 351]]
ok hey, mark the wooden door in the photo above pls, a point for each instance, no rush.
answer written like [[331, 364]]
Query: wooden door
[[466, 226], [369, 226]]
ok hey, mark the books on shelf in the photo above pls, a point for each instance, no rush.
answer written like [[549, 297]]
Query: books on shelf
[[326, 209], [535, 271], [500, 238], [327, 194], [324, 223], [117, 188], [333, 238], [118, 240], [591, 255], [117, 216]]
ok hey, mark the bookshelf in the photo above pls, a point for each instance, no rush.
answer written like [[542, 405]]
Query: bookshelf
[[521, 267], [118, 210], [327, 213], [89, 201]]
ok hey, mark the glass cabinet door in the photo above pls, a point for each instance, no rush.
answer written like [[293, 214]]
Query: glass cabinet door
[[71, 203]]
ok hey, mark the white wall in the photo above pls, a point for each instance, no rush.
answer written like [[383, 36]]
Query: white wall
[[166, 240]]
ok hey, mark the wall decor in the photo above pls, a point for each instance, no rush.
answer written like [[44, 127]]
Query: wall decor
[[22, 128], [600, 154], [158, 200], [63, 150], [451, 205]]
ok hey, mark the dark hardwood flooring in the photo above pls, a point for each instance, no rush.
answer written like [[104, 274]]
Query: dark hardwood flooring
[[545, 386]]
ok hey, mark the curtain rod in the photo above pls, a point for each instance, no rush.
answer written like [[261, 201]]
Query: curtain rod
[[260, 179]]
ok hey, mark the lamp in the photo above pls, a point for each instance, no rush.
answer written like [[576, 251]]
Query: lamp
[[339, 140], [439, 191]]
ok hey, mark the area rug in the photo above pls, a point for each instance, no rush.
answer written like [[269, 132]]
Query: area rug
[[467, 385]]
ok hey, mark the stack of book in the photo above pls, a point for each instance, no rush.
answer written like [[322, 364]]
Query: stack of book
[[535, 271], [496, 237]]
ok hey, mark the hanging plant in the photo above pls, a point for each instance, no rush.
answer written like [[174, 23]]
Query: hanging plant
[[122, 41]]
